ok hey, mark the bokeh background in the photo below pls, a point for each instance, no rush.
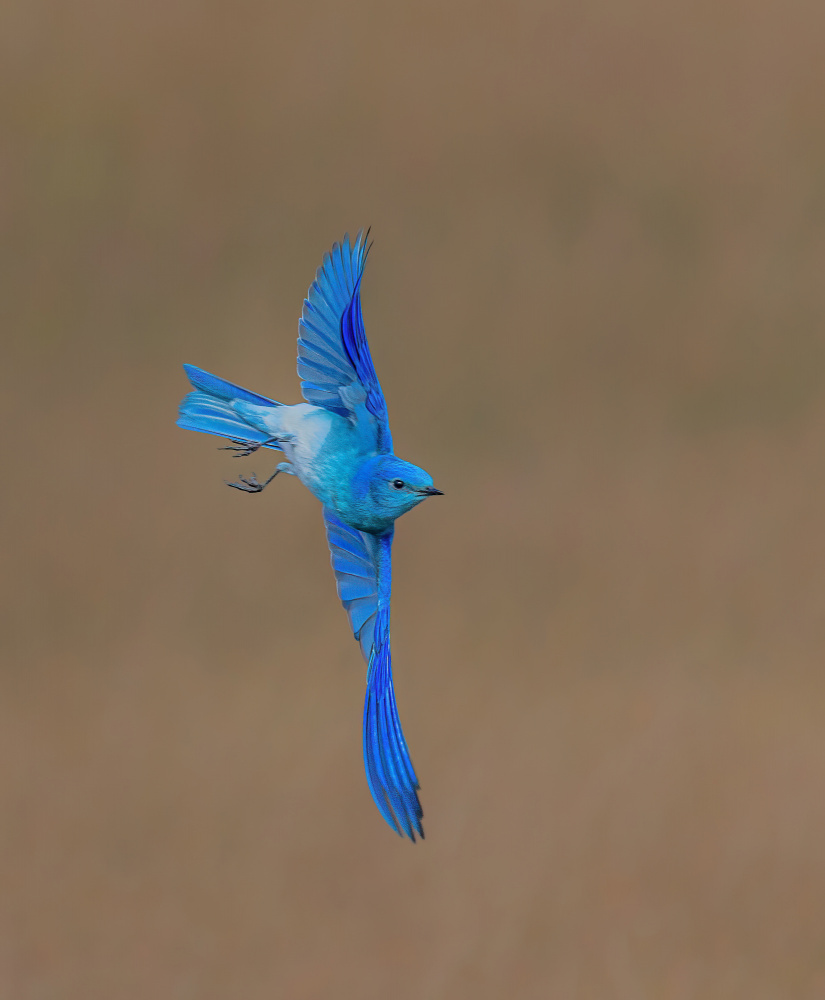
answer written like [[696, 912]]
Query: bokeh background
[[596, 304]]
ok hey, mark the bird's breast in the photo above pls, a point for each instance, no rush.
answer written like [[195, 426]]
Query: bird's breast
[[323, 448]]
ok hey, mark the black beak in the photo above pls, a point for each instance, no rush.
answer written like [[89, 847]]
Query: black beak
[[431, 491]]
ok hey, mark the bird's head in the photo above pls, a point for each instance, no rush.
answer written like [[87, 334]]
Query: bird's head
[[394, 486]]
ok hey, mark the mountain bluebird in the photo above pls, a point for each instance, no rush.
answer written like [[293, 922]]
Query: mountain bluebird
[[338, 444]]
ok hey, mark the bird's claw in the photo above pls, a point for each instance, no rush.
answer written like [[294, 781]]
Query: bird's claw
[[251, 485], [243, 449]]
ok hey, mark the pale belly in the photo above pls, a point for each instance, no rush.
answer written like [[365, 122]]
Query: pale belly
[[321, 447]]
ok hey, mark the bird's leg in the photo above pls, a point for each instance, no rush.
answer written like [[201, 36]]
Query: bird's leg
[[251, 484], [245, 448]]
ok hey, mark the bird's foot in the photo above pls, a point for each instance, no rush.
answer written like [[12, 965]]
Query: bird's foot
[[243, 449], [251, 484]]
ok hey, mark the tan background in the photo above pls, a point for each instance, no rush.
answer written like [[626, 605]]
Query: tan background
[[596, 304]]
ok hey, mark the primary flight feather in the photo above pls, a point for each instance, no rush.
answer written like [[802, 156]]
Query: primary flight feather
[[338, 443]]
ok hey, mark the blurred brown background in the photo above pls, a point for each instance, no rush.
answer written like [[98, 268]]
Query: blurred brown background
[[596, 305]]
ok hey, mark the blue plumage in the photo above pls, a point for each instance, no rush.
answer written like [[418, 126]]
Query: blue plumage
[[356, 575], [221, 389], [201, 412], [210, 409], [390, 773], [323, 364], [355, 344], [339, 445]]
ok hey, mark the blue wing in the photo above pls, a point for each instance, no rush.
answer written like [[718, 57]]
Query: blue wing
[[332, 346], [356, 577], [362, 565]]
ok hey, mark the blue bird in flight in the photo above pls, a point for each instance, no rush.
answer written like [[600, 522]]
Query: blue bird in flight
[[338, 443]]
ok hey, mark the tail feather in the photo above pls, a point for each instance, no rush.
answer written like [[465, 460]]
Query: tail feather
[[221, 389], [202, 412], [210, 411]]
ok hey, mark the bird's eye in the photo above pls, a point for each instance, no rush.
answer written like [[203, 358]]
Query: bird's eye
[[398, 484]]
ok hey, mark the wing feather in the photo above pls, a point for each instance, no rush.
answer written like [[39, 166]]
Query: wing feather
[[362, 565], [332, 346]]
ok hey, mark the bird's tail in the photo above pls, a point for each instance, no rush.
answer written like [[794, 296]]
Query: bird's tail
[[209, 409]]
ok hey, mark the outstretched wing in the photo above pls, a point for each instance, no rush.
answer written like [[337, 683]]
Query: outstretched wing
[[333, 354], [356, 576], [363, 571]]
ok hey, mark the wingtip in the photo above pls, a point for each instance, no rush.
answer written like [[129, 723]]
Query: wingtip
[[362, 244]]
